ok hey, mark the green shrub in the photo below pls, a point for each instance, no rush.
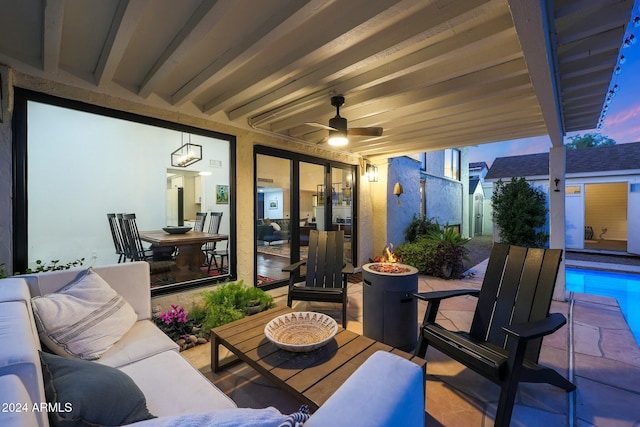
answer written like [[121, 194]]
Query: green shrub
[[520, 212], [419, 227], [447, 253], [439, 253], [231, 301], [414, 253]]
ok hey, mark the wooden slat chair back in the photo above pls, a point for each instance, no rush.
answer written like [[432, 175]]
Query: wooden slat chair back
[[517, 288], [325, 259], [327, 272], [511, 318]]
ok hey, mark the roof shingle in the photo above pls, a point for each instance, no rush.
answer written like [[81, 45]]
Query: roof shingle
[[597, 159]]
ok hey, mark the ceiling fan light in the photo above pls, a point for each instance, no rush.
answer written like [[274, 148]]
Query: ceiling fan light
[[337, 139]]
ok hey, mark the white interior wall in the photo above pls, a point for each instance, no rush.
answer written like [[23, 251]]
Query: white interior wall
[[606, 208], [83, 166]]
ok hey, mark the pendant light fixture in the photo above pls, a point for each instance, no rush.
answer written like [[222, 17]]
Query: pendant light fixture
[[187, 154]]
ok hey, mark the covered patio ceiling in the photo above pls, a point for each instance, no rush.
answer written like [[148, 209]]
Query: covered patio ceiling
[[432, 73]]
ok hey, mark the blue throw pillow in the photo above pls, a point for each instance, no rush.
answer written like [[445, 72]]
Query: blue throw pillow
[[83, 393]]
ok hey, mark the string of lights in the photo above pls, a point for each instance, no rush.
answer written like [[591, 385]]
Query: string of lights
[[629, 41]]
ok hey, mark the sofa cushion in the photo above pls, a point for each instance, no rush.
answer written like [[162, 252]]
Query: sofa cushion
[[18, 409], [19, 352], [173, 386], [90, 394], [143, 340], [84, 319]]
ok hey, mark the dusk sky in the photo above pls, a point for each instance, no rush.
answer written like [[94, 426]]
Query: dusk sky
[[622, 123]]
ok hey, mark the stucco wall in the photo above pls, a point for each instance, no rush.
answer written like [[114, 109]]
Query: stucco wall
[[6, 214], [443, 200], [406, 171]]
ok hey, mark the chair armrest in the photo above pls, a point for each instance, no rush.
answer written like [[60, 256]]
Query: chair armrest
[[389, 391], [294, 267], [440, 295], [348, 269], [540, 328]]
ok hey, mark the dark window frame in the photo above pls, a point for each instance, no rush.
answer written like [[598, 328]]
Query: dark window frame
[[20, 163]]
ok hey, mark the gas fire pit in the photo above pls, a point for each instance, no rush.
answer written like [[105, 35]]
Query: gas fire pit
[[390, 312]]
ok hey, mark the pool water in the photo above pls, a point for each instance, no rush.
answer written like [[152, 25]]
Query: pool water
[[625, 287]]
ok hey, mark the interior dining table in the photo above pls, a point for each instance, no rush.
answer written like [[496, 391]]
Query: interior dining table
[[190, 256]]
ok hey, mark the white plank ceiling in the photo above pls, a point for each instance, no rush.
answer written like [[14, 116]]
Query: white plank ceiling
[[432, 73]]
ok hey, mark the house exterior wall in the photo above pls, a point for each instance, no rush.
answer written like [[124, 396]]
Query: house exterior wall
[[443, 200], [246, 139], [447, 199], [599, 201], [402, 209], [6, 210]]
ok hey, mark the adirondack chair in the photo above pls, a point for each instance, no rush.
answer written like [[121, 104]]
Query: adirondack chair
[[511, 317], [326, 275]]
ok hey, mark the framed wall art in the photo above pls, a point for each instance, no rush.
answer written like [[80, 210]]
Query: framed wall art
[[222, 194]]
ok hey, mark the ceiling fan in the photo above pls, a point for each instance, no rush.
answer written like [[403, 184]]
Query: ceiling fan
[[338, 130]]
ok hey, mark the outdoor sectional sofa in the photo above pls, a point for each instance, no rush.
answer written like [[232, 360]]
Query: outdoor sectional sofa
[[37, 387]]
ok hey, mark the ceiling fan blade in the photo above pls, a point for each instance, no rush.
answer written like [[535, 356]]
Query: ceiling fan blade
[[370, 131], [323, 140], [319, 125]]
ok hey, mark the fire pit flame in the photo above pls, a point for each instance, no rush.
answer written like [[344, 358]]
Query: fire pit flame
[[387, 255]]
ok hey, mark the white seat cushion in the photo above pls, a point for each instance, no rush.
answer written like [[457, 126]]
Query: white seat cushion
[[18, 409], [172, 386], [143, 340]]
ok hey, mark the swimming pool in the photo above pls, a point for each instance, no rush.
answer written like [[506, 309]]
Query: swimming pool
[[624, 287]]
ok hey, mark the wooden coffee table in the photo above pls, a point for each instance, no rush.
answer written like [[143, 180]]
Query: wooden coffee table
[[311, 377]]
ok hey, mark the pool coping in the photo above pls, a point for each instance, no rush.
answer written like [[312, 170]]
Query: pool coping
[[605, 266]]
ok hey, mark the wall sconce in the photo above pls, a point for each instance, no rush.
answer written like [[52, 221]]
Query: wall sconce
[[372, 173], [397, 191], [187, 154], [557, 181]]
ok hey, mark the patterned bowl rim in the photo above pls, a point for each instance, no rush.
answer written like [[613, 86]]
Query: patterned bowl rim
[[332, 327]]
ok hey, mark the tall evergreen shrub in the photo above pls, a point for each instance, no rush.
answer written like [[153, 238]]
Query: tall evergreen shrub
[[520, 211]]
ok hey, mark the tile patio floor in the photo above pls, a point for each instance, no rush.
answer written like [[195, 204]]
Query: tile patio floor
[[595, 349]]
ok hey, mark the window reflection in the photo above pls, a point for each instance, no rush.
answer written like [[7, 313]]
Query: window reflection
[[82, 166]]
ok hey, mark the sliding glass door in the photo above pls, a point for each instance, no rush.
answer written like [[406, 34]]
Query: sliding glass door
[[294, 195], [273, 222]]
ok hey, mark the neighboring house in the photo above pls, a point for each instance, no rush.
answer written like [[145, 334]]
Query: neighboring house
[[480, 219], [602, 193], [443, 187]]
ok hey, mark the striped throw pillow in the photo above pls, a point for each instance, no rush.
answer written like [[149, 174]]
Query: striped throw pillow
[[84, 319]]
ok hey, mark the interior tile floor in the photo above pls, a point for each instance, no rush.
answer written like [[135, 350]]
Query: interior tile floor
[[595, 350]]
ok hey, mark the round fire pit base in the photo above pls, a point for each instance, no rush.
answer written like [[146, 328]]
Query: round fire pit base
[[390, 312]]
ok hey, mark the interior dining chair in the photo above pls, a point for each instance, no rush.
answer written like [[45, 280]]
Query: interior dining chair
[[210, 248], [116, 235], [160, 265], [222, 253], [134, 248], [201, 217]]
